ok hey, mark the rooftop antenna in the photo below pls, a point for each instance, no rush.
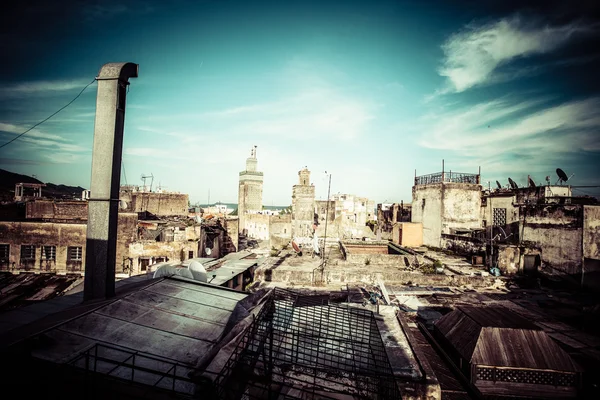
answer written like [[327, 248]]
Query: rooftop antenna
[[144, 177], [499, 185], [562, 177], [513, 184], [530, 181]]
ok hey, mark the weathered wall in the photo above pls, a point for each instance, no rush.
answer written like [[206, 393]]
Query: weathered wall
[[161, 204], [462, 244], [280, 230], [151, 250], [126, 234], [62, 210], [63, 236], [41, 234], [557, 232], [232, 227], [505, 202], [303, 200], [591, 247], [461, 206], [257, 226], [427, 210], [408, 234]]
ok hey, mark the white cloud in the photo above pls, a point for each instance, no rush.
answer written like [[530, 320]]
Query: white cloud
[[472, 56], [515, 138], [37, 88]]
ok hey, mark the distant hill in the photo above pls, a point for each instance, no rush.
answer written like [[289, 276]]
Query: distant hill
[[9, 179]]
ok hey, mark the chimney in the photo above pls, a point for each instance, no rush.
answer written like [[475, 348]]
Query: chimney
[[103, 204]]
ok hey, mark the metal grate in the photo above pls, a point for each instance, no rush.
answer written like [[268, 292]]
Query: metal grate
[[536, 377], [297, 350], [499, 216]]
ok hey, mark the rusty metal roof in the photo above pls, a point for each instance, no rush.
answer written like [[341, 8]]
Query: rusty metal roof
[[497, 337]]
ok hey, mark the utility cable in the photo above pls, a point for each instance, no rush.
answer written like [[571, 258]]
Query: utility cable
[[39, 123]]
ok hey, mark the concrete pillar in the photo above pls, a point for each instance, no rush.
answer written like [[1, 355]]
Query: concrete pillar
[[103, 204]]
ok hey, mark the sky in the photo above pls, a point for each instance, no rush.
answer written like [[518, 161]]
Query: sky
[[367, 92]]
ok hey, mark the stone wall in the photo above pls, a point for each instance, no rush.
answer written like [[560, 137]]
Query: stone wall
[[160, 204], [232, 227], [61, 210], [154, 252], [463, 245], [427, 209]]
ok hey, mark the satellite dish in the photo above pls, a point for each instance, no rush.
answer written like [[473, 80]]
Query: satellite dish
[[548, 179], [562, 177], [122, 204], [512, 184], [499, 185], [531, 182], [208, 251], [295, 246]]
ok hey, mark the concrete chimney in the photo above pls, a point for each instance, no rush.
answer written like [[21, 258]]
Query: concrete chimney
[[103, 204]]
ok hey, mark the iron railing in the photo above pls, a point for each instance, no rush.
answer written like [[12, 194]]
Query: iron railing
[[456, 177]]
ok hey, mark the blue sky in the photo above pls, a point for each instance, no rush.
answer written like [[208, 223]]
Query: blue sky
[[368, 91]]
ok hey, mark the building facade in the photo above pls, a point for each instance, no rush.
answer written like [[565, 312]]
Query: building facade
[[303, 206]]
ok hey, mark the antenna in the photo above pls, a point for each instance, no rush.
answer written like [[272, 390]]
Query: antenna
[[562, 177], [144, 177], [512, 184], [531, 182], [499, 185]]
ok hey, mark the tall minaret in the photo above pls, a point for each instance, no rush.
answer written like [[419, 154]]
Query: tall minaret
[[250, 189]]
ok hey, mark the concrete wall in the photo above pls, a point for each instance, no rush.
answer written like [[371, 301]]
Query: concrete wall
[[492, 202], [50, 209], [461, 206], [557, 232], [427, 210], [63, 236], [280, 230], [161, 204], [442, 207], [591, 247], [408, 234], [153, 250]]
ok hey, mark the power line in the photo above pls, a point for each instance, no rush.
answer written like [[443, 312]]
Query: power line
[[39, 123]]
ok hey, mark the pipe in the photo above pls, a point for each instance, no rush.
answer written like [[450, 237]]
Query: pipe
[[103, 204]]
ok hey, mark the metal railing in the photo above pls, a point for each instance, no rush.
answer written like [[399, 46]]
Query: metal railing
[[131, 366], [456, 177]]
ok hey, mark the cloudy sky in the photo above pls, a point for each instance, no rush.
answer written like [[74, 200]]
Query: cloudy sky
[[369, 91]]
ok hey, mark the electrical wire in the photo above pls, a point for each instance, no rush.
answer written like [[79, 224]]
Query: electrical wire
[[41, 122]]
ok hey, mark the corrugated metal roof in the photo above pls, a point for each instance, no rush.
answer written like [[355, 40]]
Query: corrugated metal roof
[[522, 348], [497, 337]]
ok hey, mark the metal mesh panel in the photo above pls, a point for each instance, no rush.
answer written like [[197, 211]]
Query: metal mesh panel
[[295, 350], [526, 376]]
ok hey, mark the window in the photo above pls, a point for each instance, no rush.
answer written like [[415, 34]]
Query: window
[[144, 262], [423, 202], [191, 254], [4, 252], [49, 253], [74, 253], [236, 280], [28, 252]]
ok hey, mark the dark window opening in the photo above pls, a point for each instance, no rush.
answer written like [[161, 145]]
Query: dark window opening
[[74, 253]]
